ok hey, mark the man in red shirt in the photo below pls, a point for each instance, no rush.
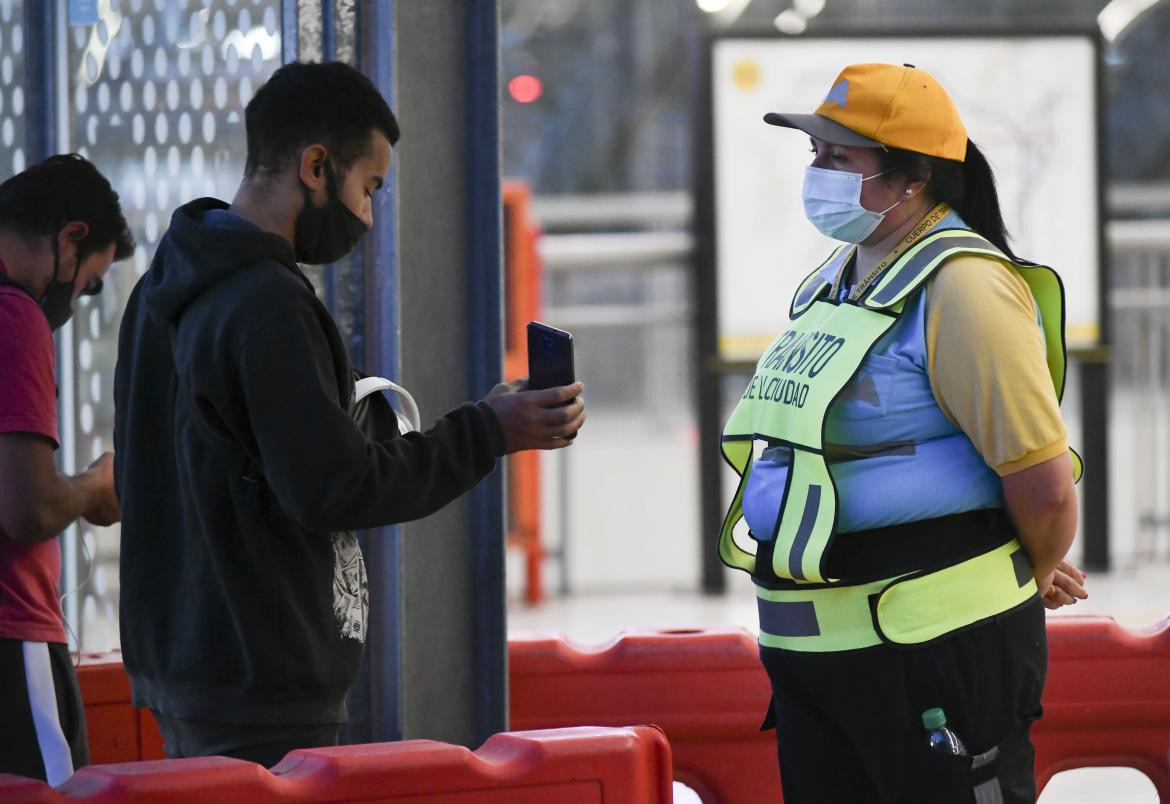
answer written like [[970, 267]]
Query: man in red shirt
[[60, 229]]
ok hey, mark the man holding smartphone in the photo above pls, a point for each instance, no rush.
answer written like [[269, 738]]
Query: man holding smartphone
[[61, 227], [240, 469]]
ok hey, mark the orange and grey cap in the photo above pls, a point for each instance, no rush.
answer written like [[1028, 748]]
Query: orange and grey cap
[[885, 105]]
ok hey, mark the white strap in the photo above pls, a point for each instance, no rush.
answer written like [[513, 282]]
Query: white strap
[[408, 415]]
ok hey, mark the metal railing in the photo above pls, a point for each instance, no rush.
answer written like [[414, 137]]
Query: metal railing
[[1139, 303], [646, 239], [617, 273]]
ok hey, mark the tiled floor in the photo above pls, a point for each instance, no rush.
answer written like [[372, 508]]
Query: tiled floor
[[1137, 598]]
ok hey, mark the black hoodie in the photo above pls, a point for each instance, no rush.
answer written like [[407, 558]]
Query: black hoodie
[[237, 462]]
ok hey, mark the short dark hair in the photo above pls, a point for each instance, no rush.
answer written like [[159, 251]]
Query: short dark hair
[[66, 187], [305, 103]]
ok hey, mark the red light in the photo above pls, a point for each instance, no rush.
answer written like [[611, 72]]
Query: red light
[[525, 88]]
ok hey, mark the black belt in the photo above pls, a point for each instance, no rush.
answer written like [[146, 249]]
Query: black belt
[[870, 555]]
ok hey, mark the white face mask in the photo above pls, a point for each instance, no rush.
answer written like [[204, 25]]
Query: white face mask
[[832, 203]]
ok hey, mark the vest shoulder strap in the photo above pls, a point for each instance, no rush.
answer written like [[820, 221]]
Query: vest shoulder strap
[[925, 257], [819, 281], [920, 262]]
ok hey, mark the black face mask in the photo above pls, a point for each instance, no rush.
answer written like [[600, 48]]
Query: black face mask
[[57, 300], [326, 234]]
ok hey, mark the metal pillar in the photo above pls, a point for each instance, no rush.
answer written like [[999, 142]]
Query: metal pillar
[[40, 84], [709, 371], [375, 703], [1094, 371], [437, 653], [1094, 384], [485, 347]]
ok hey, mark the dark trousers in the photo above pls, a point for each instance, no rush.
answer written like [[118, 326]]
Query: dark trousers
[[263, 744], [42, 735], [849, 725]]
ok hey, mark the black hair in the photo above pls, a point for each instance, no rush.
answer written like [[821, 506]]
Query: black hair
[[967, 186], [67, 187], [305, 103]]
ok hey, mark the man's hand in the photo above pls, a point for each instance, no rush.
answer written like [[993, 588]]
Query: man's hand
[[1063, 586], [37, 502], [542, 419], [102, 508]]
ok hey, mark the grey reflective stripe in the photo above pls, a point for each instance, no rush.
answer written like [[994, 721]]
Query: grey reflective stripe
[[1022, 566], [808, 518], [817, 284], [781, 618], [838, 453], [834, 453], [811, 290], [989, 791], [986, 758], [909, 274]]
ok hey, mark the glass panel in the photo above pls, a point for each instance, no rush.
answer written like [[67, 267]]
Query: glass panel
[[13, 147], [156, 95]]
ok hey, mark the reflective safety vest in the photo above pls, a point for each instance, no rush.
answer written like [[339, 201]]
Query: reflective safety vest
[[807, 367], [907, 609]]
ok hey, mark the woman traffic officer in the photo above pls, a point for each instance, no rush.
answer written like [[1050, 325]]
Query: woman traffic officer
[[905, 473]]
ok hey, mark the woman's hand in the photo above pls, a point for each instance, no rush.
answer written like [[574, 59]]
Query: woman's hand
[[1042, 504], [1063, 586]]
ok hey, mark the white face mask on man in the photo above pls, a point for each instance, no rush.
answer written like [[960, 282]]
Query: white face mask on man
[[832, 203]]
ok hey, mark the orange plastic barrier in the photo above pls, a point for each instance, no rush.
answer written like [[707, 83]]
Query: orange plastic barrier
[[1107, 699], [706, 689], [567, 766], [522, 278], [1106, 702], [117, 731]]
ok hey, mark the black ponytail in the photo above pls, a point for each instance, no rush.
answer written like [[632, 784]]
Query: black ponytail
[[967, 186]]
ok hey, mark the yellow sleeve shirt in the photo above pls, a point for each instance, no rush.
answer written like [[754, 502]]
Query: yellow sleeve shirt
[[987, 367]]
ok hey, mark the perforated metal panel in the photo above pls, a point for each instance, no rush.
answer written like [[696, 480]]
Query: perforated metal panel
[[310, 34], [345, 24], [13, 147], [156, 93]]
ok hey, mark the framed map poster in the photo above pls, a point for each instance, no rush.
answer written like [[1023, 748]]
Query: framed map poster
[[1030, 101]]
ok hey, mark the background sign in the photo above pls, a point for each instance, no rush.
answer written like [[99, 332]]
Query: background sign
[[1029, 102]]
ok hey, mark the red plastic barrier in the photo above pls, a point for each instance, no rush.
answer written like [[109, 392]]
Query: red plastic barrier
[[1106, 702], [706, 689], [1107, 699], [118, 732], [567, 766]]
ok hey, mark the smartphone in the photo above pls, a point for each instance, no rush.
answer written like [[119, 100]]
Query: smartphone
[[550, 356]]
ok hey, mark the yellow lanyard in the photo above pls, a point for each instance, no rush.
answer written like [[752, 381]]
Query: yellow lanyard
[[928, 222]]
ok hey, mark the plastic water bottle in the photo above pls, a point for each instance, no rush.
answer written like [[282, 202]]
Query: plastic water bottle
[[941, 738]]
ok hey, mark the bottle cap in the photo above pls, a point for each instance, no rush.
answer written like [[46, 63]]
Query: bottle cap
[[934, 719]]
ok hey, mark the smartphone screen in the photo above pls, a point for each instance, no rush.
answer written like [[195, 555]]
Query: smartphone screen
[[550, 356]]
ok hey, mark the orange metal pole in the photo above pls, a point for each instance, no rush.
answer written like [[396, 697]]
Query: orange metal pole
[[522, 280]]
